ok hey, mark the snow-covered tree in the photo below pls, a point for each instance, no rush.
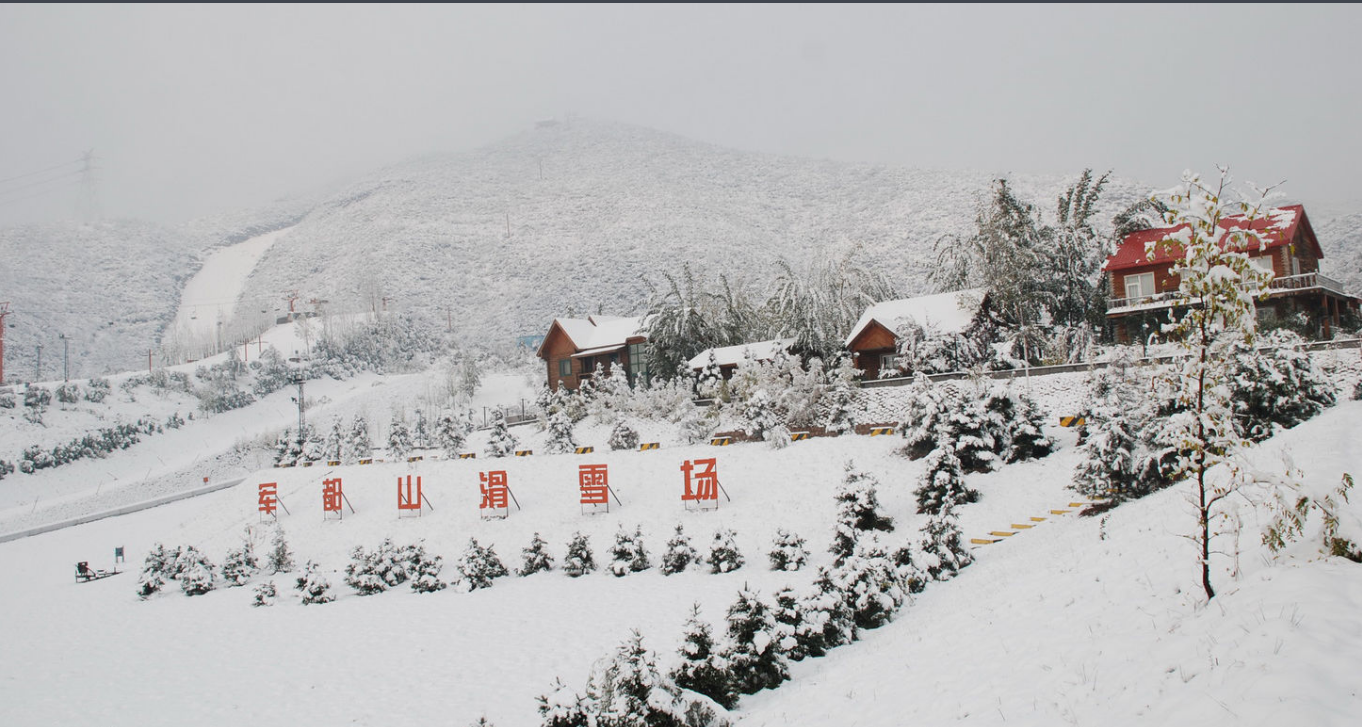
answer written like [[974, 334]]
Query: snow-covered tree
[[840, 413], [357, 445], [943, 551], [420, 431], [1218, 286], [562, 707], [753, 655], [535, 558], [793, 630], [679, 553], [819, 307], [280, 558], [724, 555], [500, 441], [788, 551], [334, 445], [1109, 465], [400, 441], [559, 439], [314, 586], [197, 575], [702, 668], [450, 434], [265, 593], [377, 571], [579, 559], [831, 620], [424, 570], [858, 510], [925, 416], [631, 692], [628, 555], [241, 564], [478, 566], [910, 575], [872, 587], [1277, 385], [943, 479], [623, 436]]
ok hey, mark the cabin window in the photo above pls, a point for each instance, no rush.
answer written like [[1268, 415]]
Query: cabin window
[[889, 362], [564, 367], [638, 363], [1262, 262], [588, 365], [1139, 286]]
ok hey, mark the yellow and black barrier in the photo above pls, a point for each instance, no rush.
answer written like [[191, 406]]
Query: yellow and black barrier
[[647, 446], [367, 461], [468, 455], [721, 441], [307, 463], [798, 436], [585, 450], [524, 452], [1072, 421], [877, 431], [415, 459], [333, 463]]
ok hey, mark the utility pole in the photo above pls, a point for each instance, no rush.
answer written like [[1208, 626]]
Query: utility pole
[[65, 357], [89, 205], [38, 368], [299, 379]]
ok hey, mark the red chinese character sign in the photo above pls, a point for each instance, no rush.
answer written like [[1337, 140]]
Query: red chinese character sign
[[333, 497], [496, 494], [410, 499], [701, 481], [594, 482], [268, 500], [268, 497]]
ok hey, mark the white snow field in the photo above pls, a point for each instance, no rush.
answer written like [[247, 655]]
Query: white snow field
[[1076, 621], [211, 297]]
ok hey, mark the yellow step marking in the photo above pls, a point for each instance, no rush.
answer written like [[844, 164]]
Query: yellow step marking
[[1017, 526], [1001, 533], [982, 541], [1037, 519], [1059, 512]]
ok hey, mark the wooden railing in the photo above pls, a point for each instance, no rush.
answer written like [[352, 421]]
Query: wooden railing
[[1287, 284]]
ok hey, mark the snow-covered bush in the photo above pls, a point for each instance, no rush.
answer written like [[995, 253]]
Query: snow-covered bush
[[450, 433], [559, 439], [68, 392], [158, 567], [754, 658], [313, 585], [793, 631], [479, 566], [991, 426], [871, 584], [628, 554], [7, 399], [377, 571], [627, 690], [399, 439], [196, 573], [943, 480], [265, 593], [36, 397], [96, 389], [424, 570], [943, 551], [788, 552], [535, 558], [280, 558], [1279, 386], [241, 564], [579, 559], [702, 668], [357, 445], [830, 619], [562, 707], [623, 436], [724, 555], [679, 553], [858, 511]]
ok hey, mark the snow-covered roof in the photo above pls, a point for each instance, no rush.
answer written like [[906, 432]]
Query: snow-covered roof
[[599, 332], [943, 312], [1278, 226], [733, 355]]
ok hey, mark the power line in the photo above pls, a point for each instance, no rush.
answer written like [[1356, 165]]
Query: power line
[[41, 182], [63, 187], [41, 171]]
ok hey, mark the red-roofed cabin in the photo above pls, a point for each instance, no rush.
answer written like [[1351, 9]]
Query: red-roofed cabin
[[576, 349], [1144, 289]]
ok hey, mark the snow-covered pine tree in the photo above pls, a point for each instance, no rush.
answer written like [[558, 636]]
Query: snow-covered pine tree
[[314, 445], [1277, 385], [375, 572], [313, 585], [282, 445], [925, 417], [399, 439], [1108, 466], [535, 558], [478, 566], [702, 669], [424, 570], [335, 443], [840, 413], [910, 576], [1214, 272], [724, 555], [795, 633], [679, 553], [579, 559], [197, 575], [623, 436], [357, 445], [156, 569], [1016, 425], [559, 439], [788, 551], [449, 435], [622, 553], [754, 658], [500, 441], [241, 564], [872, 586], [943, 552], [280, 558], [562, 707], [633, 693], [830, 618], [265, 593], [943, 479], [420, 431], [858, 510], [710, 384], [640, 561]]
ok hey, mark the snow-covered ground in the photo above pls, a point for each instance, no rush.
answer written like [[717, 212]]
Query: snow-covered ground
[[1076, 621], [210, 298]]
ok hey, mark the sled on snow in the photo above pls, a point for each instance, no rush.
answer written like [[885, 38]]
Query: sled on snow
[[84, 573]]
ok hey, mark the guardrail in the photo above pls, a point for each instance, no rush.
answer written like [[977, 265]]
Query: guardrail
[[124, 510]]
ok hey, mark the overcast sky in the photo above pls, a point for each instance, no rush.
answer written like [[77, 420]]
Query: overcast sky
[[192, 110]]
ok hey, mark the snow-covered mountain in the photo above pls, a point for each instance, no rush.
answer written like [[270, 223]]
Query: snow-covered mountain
[[571, 217]]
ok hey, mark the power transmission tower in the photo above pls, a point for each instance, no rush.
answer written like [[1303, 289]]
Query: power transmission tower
[[88, 203], [4, 311]]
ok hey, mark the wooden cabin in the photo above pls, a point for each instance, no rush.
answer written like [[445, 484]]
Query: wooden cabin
[[575, 349], [873, 341], [1144, 290], [728, 358]]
